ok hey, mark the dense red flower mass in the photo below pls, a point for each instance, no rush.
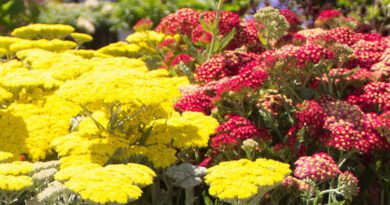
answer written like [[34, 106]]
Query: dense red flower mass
[[291, 17], [196, 102], [224, 65], [372, 96], [328, 14], [319, 167], [311, 114], [235, 130], [343, 35], [183, 21]]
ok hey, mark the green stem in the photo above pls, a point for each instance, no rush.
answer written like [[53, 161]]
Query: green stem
[[189, 196]]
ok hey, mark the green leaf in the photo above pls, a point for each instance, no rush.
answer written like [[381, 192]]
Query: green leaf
[[206, 199], [205, 25], [226, 39], [262, 40]]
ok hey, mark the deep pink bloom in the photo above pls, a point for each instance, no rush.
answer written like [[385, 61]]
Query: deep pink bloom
[[319, 167], [196, 102], [183, 22], [143, 25], [328, 14], [291, 17], [182, 58], [310, 114], [235, 130]]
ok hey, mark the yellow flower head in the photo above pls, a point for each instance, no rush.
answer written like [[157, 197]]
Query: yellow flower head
[[241, 180], [5, 156], [189, 130], [16, 168], [113, 183], [81, 38], [67, 173], [14, 183], [55, 45], [43, 31]]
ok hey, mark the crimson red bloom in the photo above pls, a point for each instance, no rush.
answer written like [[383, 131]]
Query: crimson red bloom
[[319, 167], [235, 130], [182, 58], [196, 102], [183, 22]]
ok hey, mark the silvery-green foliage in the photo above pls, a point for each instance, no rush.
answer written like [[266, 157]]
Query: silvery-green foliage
[[186, 175]]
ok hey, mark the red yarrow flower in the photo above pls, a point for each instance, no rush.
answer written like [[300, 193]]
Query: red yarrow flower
[[318, 167], [235, 130]]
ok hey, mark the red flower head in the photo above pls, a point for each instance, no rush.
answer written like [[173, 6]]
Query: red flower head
[[223, 65], [319, 167], [182, 58], [235, 130], [310, 114], [372, 96], [196, 102], [368, 52], [247, 35], [143, 25], [291, 17], [328, 14], [343, 35], [295, 183], [227, 20], [183, 22]]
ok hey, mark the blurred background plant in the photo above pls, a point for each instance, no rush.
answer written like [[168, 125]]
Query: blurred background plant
[[14, 13], [104, 19]]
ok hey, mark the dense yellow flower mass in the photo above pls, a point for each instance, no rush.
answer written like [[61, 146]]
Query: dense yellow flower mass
[[5, 156], [43, 31], [14, 183], [241, 180], [81, 38], [16, 168], [113, 183], [90, 108]]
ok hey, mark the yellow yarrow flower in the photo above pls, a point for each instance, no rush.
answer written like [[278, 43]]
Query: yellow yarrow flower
[[68, 172], [241, 180], [5, 156], [14, 183], [112, 184], [186, 130], [16, 168], [121, 49], [49, 45], [81, 38], [43, 31]]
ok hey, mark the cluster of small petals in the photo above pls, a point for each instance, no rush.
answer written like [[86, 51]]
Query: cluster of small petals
[[337, 111], [227, 20], [182, 58], [313, 53], [224, 65], [345, 137], [248, 36], [343, 35], [318, 167], [328, 14], [143, 25], [373, 122], [235, 130], [348, 184], [249, 79], [196, 102], [291, 17], [245, 178], [296, 183], [310, 114], [273, 102], [373, 95], [183, 22], [368, 52]]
